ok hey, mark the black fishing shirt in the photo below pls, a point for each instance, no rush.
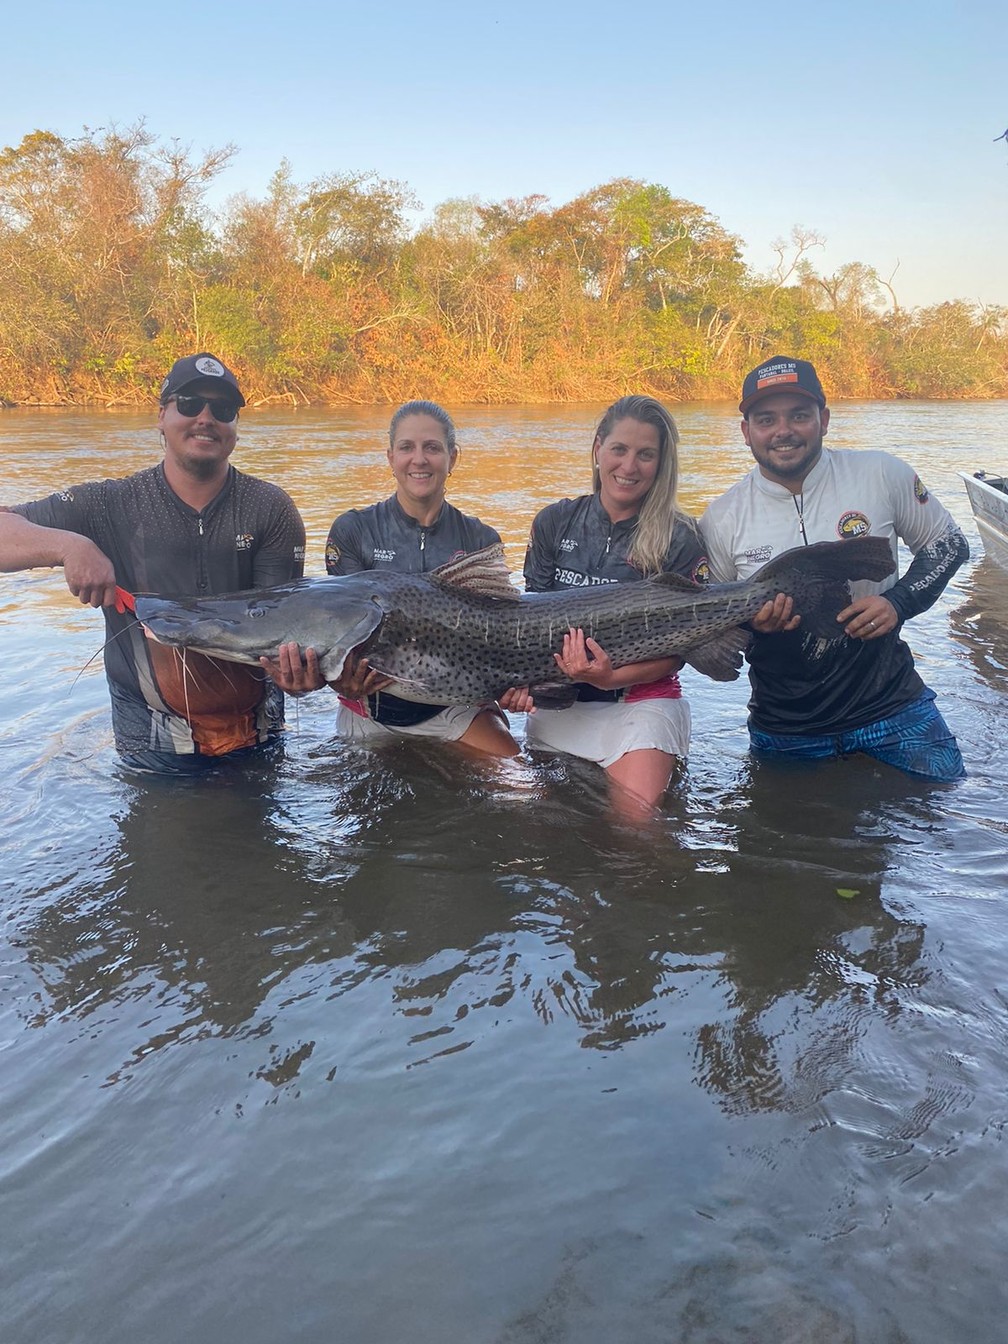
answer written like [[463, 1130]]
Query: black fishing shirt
[[384, 536], [574, 544]]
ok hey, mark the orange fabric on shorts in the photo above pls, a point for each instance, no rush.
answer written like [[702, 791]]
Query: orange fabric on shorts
[[217, 699]]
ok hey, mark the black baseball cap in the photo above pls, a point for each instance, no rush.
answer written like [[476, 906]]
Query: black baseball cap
[[198, 369], [781, 373]]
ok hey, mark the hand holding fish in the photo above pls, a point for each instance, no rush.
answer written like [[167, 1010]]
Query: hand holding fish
[[358, 679], [517, 700], [294, 673], [869, 617], [584, 659], [775, 616], [89, 573]]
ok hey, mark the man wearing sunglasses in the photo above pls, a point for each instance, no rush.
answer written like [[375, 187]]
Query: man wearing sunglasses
[[192, 525]]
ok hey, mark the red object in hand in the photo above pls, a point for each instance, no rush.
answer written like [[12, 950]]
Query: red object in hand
[[124, 600]]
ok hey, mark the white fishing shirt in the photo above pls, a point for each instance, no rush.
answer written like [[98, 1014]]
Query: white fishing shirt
[[801, 684]]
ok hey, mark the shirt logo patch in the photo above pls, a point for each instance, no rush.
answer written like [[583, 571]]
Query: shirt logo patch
[[383, 557], [853, 524], [243, 541], [701, 571], [920, 491], [567, 544], [332, 554], [759, 555]]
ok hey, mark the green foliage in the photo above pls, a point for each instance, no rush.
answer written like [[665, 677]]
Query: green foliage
[[112, 264]]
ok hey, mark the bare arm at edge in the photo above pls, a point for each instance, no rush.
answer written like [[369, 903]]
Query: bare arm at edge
[[88, 571]]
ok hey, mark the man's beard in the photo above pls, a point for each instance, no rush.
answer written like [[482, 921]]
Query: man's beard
[[202, 468]]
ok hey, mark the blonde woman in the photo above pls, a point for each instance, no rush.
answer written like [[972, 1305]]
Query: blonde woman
[[632, 721]]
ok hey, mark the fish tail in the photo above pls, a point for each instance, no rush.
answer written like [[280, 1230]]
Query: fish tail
[[818, 577], [856, 558]]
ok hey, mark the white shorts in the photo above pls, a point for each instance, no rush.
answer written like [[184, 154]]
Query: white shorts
[[603, 731], [448, 725]]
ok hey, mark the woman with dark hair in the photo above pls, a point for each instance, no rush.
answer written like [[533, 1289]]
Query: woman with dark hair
[[413, 531], [632, 720]]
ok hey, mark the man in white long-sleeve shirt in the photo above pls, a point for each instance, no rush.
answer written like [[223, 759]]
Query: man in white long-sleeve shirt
[[861, 692]]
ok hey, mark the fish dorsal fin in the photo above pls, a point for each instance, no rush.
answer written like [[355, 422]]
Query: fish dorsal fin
[[482, 573]]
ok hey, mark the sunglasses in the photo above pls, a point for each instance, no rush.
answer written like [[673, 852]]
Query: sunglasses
[[221, 408]]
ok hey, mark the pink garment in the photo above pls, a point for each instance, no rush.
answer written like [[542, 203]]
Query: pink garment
[[665, 688]]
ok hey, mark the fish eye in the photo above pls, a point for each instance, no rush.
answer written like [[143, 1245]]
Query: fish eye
[[254, 609]]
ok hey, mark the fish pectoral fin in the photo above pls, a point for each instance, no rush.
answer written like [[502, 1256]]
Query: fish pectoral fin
[[720, 657], [482, 573], [549, 695]]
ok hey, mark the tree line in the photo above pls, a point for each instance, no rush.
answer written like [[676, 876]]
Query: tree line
[[112, 264]]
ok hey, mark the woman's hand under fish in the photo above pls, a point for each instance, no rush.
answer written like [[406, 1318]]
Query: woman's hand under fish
[[584, 659], [517, 700], [358, 679]]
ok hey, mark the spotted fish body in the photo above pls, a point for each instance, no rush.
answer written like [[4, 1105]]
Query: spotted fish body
[[464, 634]]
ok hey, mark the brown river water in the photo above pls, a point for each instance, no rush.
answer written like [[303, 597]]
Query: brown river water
[[374, 1047]]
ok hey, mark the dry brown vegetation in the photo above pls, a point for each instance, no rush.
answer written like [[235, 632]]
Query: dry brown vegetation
[[112, 264]]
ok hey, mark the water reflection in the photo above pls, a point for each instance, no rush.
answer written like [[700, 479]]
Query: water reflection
[[712, 1082], [196, 902], [979, 624], [242, 907]]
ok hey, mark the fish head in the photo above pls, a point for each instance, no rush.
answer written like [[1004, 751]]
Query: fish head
[[243, 627]]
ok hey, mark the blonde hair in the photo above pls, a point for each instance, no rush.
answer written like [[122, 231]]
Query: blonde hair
[[660, 510]]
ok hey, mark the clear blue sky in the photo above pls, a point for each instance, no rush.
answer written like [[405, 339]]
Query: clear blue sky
[[871, 124]]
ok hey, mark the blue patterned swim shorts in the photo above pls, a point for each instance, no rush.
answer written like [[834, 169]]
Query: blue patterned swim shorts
[[916, 740]]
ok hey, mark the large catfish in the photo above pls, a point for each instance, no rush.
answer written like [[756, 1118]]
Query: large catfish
[[463, 633]]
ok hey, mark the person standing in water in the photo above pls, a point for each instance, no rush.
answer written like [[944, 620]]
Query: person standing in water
[[632, 721], [193, 524], [813, 699], [414, 531]]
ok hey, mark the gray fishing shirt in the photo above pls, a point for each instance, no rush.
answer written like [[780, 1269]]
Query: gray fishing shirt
[[250, 535], [574, 543], [384, 536]]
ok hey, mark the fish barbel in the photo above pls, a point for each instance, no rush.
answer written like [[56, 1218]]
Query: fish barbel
[[463, 634]]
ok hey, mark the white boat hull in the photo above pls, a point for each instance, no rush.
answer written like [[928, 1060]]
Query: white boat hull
[[988, 497]]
